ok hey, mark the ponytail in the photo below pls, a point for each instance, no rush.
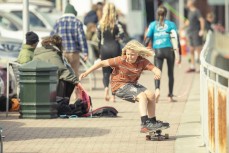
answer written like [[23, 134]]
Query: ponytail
[[161, 14], [161, 20]]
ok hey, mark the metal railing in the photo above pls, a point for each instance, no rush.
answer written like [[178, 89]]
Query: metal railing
[[214, 98], [14, 65]]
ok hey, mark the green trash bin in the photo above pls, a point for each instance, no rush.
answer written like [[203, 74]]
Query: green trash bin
[[38, 82]]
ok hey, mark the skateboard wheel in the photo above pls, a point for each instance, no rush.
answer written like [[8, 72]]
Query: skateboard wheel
[[166, 136], [148, 137], [152, 133], [159, 138]]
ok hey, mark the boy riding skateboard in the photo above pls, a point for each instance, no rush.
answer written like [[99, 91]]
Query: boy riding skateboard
[[124, 81]]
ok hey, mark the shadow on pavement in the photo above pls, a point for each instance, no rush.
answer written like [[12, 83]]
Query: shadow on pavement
[[14, 131], [171, 138]]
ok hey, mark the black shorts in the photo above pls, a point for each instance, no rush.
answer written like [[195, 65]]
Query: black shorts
[[129, 92], [194, 39]]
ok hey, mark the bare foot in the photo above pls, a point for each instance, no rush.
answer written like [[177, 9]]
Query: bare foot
[[157, 94], [172, 100], [107, 97], [113, 99]]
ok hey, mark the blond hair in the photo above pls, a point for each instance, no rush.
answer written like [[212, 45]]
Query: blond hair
[[109, 17], [137, 47]]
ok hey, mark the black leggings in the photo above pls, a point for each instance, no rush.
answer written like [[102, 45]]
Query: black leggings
[[160, 55], [106, 76]]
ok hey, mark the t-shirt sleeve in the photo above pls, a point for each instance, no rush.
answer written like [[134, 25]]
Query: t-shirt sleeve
[[173, 25], [198, 14], [114, 62], [148, 65], [150, 30]]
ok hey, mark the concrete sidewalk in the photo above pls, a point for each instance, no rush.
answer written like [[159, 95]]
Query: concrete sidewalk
[[114, 135], [188, 134]]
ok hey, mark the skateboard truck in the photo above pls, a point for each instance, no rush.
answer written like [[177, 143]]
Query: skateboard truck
[[156, 135]]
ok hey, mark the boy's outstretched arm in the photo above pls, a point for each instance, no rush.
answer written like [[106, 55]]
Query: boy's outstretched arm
[[103, 63]]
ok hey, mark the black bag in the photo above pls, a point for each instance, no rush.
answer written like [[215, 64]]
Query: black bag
[[63, 107], [79, 108], [105, 111]]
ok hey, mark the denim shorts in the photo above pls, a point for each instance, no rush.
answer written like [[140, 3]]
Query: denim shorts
[[129, 92]]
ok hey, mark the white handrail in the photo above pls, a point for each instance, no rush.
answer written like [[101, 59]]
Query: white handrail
[[210, 87], [8, 85]]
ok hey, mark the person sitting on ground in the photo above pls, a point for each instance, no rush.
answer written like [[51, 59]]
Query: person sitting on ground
[[51, 52], [127, 69], [27, 51]]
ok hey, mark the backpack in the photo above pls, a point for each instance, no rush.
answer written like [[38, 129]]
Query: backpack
[[82, 105], [105, 111]]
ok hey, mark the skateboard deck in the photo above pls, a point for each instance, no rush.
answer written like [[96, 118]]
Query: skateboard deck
[[174, 41], [156, 135]]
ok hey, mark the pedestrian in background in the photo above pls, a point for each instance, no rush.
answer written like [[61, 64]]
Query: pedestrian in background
[[92, 37], [27, 51], [109, 32], [195, 32], [209, 21], [73, 37], [159, 33]]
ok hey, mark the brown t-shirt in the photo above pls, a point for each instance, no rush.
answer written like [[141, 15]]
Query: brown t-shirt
[[124, 72]]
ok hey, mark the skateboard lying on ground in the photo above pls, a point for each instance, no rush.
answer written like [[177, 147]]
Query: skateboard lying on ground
[[156, 135]]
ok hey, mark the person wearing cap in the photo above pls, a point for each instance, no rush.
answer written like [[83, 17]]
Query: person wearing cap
[[27, 51], [73, 37]]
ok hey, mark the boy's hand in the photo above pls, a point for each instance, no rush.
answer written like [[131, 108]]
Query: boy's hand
[[83, 75], [157, 73], [178, 61]]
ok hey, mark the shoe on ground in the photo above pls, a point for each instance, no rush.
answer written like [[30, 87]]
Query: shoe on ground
[[190, 70]]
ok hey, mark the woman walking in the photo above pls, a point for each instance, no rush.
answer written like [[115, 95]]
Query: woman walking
[[159, 34], [109, 32]]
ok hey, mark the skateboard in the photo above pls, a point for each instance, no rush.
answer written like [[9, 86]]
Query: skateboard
[[156, 135], [174, 41]]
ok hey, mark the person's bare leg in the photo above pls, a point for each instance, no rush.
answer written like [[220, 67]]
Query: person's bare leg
[[198, 49], [113, 98], [192, 57], [107, 97], [143, 104], [157, 94], [151, 103]]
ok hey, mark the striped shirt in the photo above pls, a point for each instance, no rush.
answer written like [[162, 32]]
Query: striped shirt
[[124, 72], [71, 31]]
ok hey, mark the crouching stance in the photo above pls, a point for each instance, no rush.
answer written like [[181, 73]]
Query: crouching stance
[[126, 72]]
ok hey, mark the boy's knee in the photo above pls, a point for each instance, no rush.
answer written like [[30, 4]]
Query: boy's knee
[[142, 96], [150, 95]]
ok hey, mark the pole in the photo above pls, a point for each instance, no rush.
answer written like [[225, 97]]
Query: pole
[[227, 15], [181, 12], [64, 4], [25, 18]]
